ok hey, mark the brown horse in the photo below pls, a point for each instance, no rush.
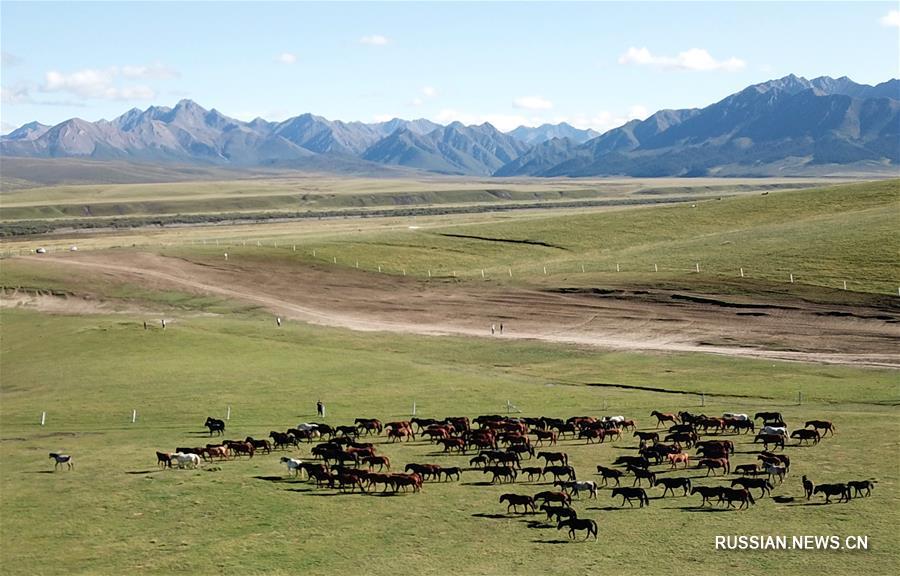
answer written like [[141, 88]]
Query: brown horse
[[515, 500], [806, 435], [548, 435], [742, 495], [382, 462], [713, 463], [825, 425], [664, 417], [679, 457], [560, 497], [164, 459], [707, 492]]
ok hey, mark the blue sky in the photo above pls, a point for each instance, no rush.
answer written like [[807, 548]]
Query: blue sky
[[591, 64]]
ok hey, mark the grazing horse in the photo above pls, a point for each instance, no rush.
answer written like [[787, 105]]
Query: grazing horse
[[712, 463], [830, 490], [806, 435], [664, 417], [574, 524], [164, 459], [215, 425], [808, 487], [559, 511], [679, 457], [748, 483], [673, 483], [67, 460], [382, 462], [859, 485], [607, 473], [628, 494], [515, 500], [554, 457], [729, 495], [707, 492], [821, 425]]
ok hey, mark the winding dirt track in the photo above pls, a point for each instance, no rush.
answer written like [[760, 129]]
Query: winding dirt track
[[655, 320]]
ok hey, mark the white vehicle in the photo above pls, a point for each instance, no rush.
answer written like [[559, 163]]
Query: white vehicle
[[73, 249], [41, 251]]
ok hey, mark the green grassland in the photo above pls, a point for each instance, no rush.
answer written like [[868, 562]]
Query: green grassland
[[116, 512]]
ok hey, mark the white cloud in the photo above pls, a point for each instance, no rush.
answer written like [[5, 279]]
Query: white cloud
[[532, 103], [383, 117], [17, 95], [8, 59], [429, 91], [106, 83], [693, 59], [374, 40], [286, 58], [892, 19], [417, 102]]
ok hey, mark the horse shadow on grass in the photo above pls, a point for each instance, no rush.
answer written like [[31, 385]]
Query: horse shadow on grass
[[486, 483], [492, 516], [551, 541], [612, 508], [270, 478], [41, 471], [538, 525], [697, 509], [142, 471]]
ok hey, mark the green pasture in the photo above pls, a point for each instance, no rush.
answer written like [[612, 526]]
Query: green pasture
[[116, 512], [823, 237]]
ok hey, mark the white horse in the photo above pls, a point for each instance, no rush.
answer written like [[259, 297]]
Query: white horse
[[294, 465], [782, 430], [779, 471], [735, 416], [186, 460], [616, 419], [588, 486], [306, 426], [62, 459]]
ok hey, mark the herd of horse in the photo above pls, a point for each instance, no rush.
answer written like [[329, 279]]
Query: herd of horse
[[503, 447]]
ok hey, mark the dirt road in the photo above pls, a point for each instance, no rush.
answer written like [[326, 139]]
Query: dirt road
[[641, 320]]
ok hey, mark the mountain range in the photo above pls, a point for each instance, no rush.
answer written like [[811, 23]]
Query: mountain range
[[786, 126]]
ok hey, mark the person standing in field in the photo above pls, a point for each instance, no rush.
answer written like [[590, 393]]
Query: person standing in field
[[278, 321], [501, 328], [320, 409], [492, 329]]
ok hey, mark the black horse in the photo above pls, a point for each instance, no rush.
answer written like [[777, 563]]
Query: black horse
[[628, 494], [574, 524], [215, 425]]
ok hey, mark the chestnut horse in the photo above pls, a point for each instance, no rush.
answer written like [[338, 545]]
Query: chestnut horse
[[664, 417], [821, 425]]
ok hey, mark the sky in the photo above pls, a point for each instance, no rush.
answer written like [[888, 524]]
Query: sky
[[591, 64]]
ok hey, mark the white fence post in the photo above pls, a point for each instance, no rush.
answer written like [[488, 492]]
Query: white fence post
[[43, 418], [228, 414], [133, 416]]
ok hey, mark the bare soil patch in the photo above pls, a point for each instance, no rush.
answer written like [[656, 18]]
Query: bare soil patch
[[641, 320]]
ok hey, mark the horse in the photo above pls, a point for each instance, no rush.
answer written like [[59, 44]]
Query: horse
[[748, 483], [560, 471], [533, 471], [766, 439], [220, 451], [424, 470], [548, 496], [607, 473], [712, 463], [647, 436], [501, 473], [457, 444], [554, 457], [664, 417], [369, 425], [559, 511], [768, 416], [628, 494], [67, 460], [782, 430], [259, 444], [859, 485], [478, 461], [282, 440], [574, 524], [215, 425], [382, 461], [729, 495], [451, 471], [808, 487], [635, 461], [779, 471], [830, 490], [673, 483], [294, 465], [546, 435], [575, 487], [806, 435], [641, 474], [825, 425], [747, 469], [707, 492], [745, 425], [400, 433], [186, 460], [733, 416], [164, 459], [515, 500], [679, 457]]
